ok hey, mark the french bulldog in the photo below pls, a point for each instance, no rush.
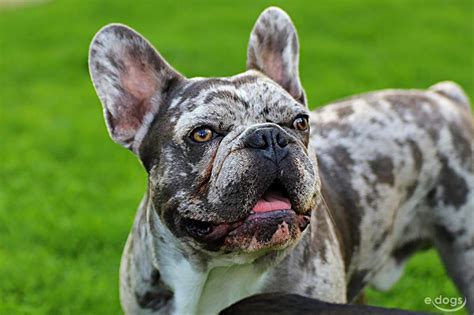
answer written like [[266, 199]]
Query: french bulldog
[[249, 192]]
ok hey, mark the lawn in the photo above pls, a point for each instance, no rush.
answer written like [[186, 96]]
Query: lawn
[[68, 194]]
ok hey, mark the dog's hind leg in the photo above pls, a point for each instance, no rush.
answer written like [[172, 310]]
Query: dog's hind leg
[[453, 229], [452, 198]]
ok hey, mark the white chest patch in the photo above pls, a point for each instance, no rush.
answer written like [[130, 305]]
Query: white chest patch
[[208, 293], [225, 281], [227, 285]]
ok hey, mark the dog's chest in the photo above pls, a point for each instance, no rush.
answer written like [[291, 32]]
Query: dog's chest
[[209, 292], [237, 282]]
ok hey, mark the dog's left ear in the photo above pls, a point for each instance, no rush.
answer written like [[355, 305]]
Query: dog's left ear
[[132, 81], [274, 51]]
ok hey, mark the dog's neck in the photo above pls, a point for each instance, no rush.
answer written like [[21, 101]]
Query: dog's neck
[[165, 276], [181, 281]]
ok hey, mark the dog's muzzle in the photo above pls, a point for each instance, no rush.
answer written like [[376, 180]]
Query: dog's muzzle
[[272, 222]]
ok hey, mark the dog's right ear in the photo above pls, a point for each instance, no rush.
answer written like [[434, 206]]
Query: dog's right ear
[[274, 50], [132, 80]]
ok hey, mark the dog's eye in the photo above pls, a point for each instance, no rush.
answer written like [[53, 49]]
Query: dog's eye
[[202, 134], [301, 123]]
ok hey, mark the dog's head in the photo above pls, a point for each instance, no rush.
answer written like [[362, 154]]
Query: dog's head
[[227, 158]]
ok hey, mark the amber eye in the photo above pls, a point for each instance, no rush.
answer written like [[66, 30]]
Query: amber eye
[[301, 123], [202, 134]]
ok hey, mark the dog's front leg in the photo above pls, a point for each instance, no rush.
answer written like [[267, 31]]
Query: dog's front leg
[[142, 290]]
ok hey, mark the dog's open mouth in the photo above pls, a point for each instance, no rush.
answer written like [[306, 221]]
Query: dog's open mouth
[[272, 224], [274, 198]]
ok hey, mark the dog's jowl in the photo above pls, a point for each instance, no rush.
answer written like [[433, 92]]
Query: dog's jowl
[[249, 192]]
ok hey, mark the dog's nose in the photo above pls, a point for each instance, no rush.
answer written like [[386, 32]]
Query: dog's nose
[[272, 142]]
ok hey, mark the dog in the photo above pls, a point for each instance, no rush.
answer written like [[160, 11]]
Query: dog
[[293, 304], [249, 192]]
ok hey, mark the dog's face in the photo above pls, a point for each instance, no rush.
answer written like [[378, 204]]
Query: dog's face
[[227, 158]]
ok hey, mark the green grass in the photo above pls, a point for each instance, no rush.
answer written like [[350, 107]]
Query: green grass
[[68, 194]]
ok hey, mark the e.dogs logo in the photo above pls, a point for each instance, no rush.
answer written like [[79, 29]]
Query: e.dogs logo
[[447, 304]]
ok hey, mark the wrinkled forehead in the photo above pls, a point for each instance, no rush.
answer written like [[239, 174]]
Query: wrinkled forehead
[[241, 100]]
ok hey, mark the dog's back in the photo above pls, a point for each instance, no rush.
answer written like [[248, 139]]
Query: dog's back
[[397, 172]]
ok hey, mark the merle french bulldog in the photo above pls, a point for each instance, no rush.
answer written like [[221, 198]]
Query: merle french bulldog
[[250, 192]]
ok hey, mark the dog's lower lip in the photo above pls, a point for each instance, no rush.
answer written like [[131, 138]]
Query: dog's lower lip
[[303, 219], [208, 231], [251, 227], [272, 230]]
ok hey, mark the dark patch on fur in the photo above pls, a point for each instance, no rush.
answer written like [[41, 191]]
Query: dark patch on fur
[[410, 190], [155, 277], [344, 111], [115, 62], [444, 234], [416, 154], [153, 141], [98, 43], [409, 108], [454, 187], [357, 282], [462, 144], [381, 240], [122, 32], [343, 201], [345, 130], [309, 290], [265, 112], [311, 249], [322, 228], [383, 169], [225, 97], [403, 252], [342, 157], [306, 257], [153, 300], [431, 198], [105, 71], [245, 79], [158, 294], [196, 88], [417, 165]]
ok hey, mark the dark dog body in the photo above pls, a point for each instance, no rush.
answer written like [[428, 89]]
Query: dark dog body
[[236, 175], [292, 304]]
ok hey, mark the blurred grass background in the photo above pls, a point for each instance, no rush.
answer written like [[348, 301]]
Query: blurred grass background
[[68, 194]]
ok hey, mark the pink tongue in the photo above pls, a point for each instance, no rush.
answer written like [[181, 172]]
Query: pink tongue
[[271, 202]]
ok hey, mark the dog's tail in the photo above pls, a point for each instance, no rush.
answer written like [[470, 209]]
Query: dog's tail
[[452, 91]]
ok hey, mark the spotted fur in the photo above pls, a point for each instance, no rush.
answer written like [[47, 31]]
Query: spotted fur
[[382, 175], [405, 158]]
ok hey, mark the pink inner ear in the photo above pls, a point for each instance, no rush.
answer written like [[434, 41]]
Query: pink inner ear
[[139, 79], [140, 83], [274, 66]]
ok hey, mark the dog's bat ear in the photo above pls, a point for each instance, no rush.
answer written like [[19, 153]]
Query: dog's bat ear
[[131, 80], [274, 51]]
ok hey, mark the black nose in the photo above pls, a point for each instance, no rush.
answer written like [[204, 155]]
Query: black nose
[[272, 142]]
